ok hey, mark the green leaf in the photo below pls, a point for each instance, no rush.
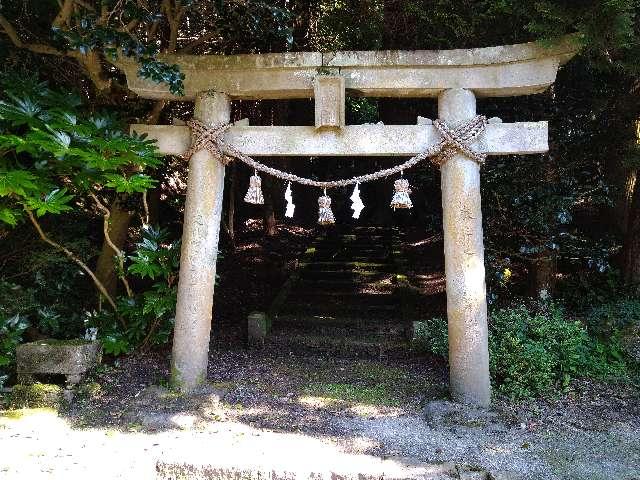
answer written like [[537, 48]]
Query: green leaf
[[8, 215], [17, 182], [143, 266], [136, 183], [54, 202]]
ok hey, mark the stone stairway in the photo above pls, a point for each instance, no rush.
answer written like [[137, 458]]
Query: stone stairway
[[346, 300]]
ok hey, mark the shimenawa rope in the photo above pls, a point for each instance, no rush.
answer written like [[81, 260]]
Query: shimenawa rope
[[453, 140]]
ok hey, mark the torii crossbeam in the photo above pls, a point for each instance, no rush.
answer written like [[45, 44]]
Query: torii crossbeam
[[455, 77]]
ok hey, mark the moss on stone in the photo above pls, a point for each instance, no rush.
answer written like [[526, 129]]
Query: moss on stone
[[71, 342], [90, 390], [37, 395], [368, 395]]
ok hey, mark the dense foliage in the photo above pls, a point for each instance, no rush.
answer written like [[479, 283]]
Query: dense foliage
[[54, 151], [149, 315], [564, 224], [537, 349]]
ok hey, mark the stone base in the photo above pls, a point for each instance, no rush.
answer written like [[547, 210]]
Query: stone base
[[257, 328], [442, 413], [72, 358]]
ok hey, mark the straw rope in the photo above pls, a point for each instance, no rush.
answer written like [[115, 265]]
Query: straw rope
[[453, 140]]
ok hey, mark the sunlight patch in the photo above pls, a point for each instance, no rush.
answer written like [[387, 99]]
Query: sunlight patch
[[317, 402]]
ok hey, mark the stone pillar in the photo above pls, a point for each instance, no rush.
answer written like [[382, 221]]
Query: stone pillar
[[464, 263], [201, 229]]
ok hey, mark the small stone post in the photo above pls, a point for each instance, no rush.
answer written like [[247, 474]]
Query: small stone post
[[200, 235], [464, 263]]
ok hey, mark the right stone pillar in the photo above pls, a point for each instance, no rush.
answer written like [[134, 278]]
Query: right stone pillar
[[464, 262]]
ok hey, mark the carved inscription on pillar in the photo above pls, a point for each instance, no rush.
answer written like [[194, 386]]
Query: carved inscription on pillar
[[330, 101]]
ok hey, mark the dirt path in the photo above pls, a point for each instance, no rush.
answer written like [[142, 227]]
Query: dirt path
[[259, 403]]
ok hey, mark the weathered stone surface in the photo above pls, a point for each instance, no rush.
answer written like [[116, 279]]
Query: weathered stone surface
[[464, 263], [67, 357], [329, 101], [257, 328], [202, 213], [506, 475], [495, 71], [442, 413], [474, 475], [352, 140]]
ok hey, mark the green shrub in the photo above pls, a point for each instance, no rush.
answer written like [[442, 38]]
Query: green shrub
[[11, 330], [607, 319], [535, 350], [149, 315], [431, 336]]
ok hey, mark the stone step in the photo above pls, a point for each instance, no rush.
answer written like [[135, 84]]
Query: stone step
[[342, 296], [345, 347], [347, 284], [344, 275], [303, 295], [389, 311], [348, 266], [369, 253], [355, 323], [373, 244], [340, 327], [348, 258]]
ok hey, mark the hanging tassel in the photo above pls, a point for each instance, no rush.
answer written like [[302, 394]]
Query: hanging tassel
[[254, 194], [289, 198], [325, 215], [401, 194], [357, 206]]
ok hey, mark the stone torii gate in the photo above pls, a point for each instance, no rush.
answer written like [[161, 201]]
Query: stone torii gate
[[454, 77]]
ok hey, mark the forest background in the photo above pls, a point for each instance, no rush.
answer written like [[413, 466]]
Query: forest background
[[90, 217]]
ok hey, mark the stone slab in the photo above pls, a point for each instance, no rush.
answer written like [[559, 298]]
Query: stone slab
[[257, 328], [57, 357], [352, 140], [329, 93], [506, 70]]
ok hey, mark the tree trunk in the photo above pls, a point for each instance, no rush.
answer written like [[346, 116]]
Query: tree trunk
[[542, 276], [631, 267], [118, 231], [269, 191], [231, 215]]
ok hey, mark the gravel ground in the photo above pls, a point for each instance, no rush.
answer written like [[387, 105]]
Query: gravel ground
[[124, 420]]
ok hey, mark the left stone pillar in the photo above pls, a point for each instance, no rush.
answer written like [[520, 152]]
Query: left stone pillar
[[201, 230]]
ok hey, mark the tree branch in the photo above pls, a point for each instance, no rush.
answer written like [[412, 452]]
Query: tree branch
[[17, 41], [64, 14], [119, 254], [197, 42], [74, 258], [174, 15], [86, 5]]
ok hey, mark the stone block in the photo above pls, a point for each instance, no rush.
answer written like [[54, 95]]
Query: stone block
[[442, 413], [72, 358], [257, 327], [473, 474], [329, 92]]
